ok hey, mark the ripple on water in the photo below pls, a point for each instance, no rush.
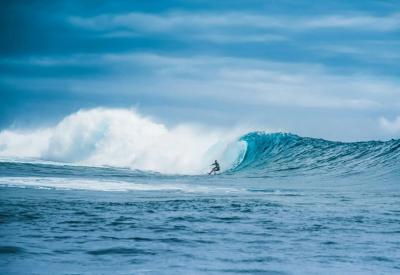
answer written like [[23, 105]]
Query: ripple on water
[[120, 251], [11, 250]]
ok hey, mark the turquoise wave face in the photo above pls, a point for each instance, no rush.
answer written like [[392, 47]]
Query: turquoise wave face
[[285, 155]]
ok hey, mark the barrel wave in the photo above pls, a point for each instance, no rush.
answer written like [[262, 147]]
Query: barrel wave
[[124, 143], [254, 155], [285, 155]]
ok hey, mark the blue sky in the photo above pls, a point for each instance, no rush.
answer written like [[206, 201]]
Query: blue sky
[[325, 69]]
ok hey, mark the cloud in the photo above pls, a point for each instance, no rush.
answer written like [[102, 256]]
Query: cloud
[[222, 79], [216, 28], [361, 22], [171, 21], [181, 21], [391, 126], [373, 51], [241, 38]]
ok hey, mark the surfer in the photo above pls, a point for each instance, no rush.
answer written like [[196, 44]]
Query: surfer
[[215, 168]]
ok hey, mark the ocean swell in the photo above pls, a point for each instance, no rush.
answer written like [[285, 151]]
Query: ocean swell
[[284, 154]]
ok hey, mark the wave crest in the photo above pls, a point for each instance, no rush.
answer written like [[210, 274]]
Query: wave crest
[[124, 138], [283, 154]]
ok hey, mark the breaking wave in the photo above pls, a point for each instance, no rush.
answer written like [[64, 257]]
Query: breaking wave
[[283, 155], [125, 139]]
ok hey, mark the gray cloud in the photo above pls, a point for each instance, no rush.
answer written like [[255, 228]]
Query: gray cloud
[[147, 22], [391, 126], [254, 82]]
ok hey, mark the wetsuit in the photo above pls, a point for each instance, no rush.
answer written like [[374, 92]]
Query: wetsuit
[[215, 168]]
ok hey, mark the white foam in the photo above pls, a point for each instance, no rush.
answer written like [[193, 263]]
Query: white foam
[[108, 185], [124, 138]]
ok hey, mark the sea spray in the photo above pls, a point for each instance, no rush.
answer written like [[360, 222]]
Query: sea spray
[[124, 138]]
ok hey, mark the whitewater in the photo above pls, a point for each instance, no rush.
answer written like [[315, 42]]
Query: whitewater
[[123, 138], [114, 191]]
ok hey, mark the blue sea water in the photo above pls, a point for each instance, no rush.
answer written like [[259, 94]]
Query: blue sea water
[[288, 205]]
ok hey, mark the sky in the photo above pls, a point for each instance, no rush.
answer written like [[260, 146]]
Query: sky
[[328, 69]]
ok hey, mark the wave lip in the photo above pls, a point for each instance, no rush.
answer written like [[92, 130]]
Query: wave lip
[[285, 154]]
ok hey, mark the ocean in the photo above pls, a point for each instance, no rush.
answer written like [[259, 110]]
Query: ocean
[[283, 204]]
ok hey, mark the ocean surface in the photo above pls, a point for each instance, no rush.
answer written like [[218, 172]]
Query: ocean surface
[[283, 204]]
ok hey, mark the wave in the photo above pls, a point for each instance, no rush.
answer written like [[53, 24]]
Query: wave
[[125, 139], [284, 154]]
